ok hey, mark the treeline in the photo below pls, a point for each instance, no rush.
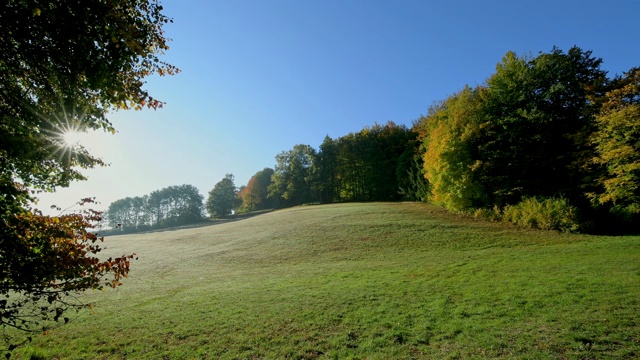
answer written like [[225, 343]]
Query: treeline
[[171, 206], [370, 165], [548, 141]]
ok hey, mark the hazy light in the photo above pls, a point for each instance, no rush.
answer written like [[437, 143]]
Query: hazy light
[[67, 137], [72, 138]]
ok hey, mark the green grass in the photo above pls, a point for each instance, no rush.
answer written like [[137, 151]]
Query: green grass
[[356, 281]]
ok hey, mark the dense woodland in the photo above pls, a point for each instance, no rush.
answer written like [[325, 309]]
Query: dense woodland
[[548, 141]]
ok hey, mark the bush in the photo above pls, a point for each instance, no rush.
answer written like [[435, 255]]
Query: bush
[[494, 214], [544, 214]]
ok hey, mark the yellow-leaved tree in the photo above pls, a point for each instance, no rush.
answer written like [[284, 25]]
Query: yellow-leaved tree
[[449, 162], [617, 146]]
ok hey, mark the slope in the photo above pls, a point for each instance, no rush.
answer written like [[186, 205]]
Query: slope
[[374, 280]]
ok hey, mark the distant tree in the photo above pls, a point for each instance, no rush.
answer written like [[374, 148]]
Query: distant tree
[[156, 208], [390, 142], [327, 182], [118, 214], [255, 196], [355, 165], [140, 217], [362, 166], [264, 179], [183, 205], [249, 195], [170, 206], [293, 176], [189, 205], [239, 191], [223, 198]]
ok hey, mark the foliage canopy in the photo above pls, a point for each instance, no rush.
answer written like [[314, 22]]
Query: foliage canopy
[[617, 146], [223, 198], [170, 206], [547, 127], [64, 65]]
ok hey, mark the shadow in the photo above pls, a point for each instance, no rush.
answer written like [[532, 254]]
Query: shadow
[[605, 223]]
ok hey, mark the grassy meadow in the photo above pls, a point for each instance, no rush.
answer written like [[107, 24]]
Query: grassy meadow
[[361, 281]]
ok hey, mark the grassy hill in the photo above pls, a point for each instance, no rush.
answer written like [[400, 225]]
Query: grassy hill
[[374, 281]]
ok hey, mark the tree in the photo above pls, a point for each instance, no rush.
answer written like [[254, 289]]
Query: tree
[[45, 261], [249, 195], [255, 196], [524, 134], [453, 127], [617, 147], [390, 142], [63, 66], [326, 163], [187, 205], [170, 206], [412, 184], [365, 163], [138, 212], [537, 116], [223, 198], [293, 176], [118, 214]]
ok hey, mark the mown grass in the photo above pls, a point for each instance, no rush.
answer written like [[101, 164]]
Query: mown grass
[[356, 281]]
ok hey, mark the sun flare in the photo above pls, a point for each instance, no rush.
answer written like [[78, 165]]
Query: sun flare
[[72, 138]]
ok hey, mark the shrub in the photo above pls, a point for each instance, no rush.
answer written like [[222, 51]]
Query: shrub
[[544, 214], [494, 214]]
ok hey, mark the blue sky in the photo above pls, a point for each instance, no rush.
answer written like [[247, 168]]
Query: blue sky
[[259, 77]]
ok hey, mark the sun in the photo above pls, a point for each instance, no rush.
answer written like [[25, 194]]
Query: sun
[[72, 138], [70, 135], [66, 141]]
